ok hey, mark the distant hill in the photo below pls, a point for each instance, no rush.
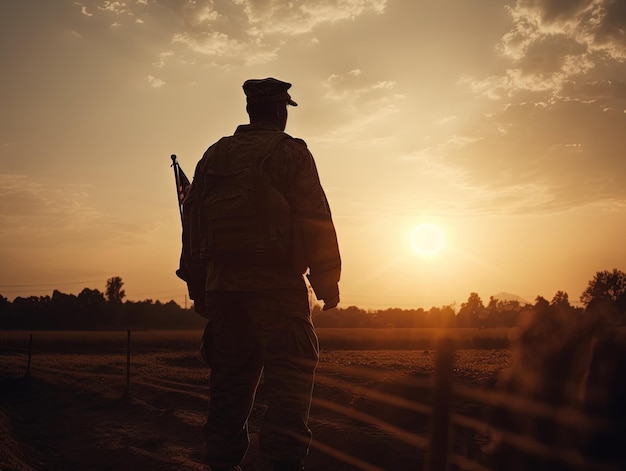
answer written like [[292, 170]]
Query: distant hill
[[504, 296]]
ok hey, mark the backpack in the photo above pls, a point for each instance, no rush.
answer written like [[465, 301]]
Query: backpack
[[243, 218]]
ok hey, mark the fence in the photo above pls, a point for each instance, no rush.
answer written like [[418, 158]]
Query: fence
[[523, 449], [519, 433]]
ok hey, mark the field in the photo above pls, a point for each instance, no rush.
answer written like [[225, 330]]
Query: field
[[73, 413]]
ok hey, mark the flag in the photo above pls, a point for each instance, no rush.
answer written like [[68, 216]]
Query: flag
[[182, 185]]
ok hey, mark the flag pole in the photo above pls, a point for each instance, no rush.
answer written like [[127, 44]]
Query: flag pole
[[177, 181]]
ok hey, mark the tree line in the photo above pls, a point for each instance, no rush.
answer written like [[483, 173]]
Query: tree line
[[92, 309], [605, 296]]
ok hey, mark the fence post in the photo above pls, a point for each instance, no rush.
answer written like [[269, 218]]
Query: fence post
[[437, 456], [127, 392], [30, 355]]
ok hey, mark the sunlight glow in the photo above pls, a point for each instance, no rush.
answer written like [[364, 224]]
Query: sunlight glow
[[427, 240]]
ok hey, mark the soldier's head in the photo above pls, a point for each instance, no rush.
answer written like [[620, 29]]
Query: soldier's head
[[267, 100]]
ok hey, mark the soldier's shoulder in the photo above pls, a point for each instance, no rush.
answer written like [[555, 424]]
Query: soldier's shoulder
[[208, 154], [296, 140], [213, 146], [302, 142]]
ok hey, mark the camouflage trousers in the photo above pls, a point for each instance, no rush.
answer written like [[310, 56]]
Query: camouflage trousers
[[249, 335]]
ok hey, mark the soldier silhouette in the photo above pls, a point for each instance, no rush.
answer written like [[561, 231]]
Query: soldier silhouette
[[255, 221]]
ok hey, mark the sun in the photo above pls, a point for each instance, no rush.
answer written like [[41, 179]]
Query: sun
[[427, 240]]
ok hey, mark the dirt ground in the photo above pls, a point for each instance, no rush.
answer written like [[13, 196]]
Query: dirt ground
[[73, 412]]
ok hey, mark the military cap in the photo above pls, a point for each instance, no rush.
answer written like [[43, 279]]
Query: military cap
[[267, 90]]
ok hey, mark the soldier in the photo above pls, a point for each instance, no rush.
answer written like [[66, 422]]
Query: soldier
[[251, 286]]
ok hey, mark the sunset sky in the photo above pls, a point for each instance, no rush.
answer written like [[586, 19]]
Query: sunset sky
[[500, 125]]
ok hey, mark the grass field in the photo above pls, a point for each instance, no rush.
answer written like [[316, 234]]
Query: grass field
[[72, 413]]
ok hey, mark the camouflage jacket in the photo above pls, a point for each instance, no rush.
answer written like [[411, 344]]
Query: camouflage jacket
[[291, 169]]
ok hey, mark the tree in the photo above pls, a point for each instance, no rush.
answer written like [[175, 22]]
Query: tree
[[90, 297], [560, 299], [608, 286], [62, 311], [501, 312], [541, 303], [471, 311], [93, 307], [114, 292], [5, 305]]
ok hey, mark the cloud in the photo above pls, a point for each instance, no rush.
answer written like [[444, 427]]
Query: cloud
[[211, 44], [29, 208], [34, 214], [207, 14], [568, 152], [83, 9], [162, 59], [553, 134], [254, 31], [448, 186], [155, 82], [353, 89], [224, 50], [114, 9], [119, 8], [240, 32], [607, 92], [554, 42], [360, 103], [299, 17]]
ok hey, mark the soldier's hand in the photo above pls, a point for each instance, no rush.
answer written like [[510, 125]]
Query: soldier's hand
[[199, 306], [330, 303]]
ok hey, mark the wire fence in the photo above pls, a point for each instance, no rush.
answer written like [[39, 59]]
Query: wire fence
[[516, 432]]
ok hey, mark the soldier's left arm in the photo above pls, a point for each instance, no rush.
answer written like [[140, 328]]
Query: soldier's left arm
[[312, 213]]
